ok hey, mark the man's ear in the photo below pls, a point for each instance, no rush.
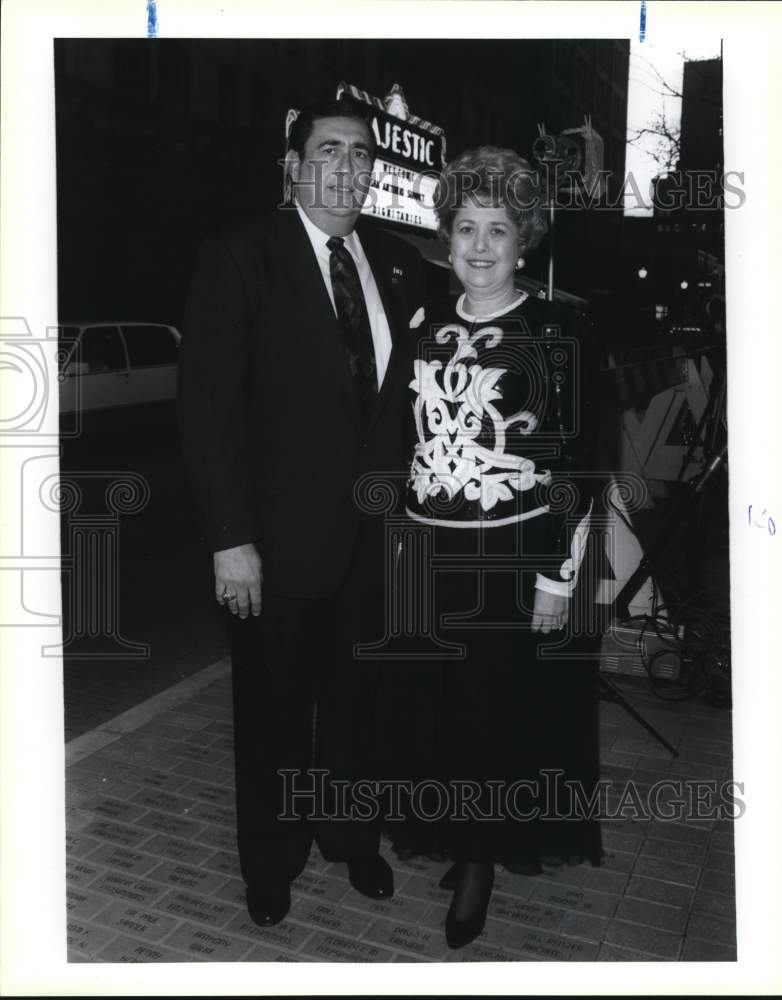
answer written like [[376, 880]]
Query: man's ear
[[292, 165]]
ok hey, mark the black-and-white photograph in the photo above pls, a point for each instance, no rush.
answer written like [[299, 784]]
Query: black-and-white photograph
[[392, 482]]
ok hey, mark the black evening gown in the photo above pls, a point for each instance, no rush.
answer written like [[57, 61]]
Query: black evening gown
[[495, 727]]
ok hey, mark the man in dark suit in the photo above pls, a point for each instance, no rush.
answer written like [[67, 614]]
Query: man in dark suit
[[293, 366]]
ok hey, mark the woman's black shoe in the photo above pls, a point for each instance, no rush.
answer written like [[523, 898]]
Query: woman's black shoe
[[450, 879], [467, 913]]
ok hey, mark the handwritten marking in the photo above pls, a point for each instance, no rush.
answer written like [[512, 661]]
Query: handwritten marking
[[642, 31], [151, 18], [769, 524]]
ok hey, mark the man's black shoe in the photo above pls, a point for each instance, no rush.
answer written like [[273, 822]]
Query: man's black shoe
[[371, 877], [268, 905]]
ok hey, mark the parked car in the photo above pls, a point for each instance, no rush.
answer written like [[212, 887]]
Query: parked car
[[107, 367]]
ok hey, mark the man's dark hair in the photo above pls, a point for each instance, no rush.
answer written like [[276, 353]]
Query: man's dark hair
[[344, 107]]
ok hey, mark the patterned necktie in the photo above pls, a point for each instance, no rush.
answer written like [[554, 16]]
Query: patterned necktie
[[354, 321]]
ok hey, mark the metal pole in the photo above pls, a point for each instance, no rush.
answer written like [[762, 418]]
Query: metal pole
[[550, 295]]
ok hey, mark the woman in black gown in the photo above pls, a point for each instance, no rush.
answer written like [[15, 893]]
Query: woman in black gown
[[499, 488]]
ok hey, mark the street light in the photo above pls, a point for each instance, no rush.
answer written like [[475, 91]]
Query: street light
[[684, 286], [642, 273]]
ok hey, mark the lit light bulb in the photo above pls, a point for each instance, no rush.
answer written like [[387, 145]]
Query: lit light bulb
[[642, 272], [684, 286]]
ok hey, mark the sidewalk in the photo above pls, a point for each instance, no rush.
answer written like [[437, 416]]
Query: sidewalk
[[152, 871]]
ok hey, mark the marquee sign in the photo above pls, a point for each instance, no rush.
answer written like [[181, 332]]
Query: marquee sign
[[410, 155]]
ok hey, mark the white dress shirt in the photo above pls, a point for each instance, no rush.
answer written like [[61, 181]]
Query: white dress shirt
[[378, 324]]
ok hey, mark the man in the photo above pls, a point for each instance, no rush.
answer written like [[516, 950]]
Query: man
[[292, 372]]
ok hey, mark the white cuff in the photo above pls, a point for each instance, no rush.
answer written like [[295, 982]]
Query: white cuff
[[562, 588]]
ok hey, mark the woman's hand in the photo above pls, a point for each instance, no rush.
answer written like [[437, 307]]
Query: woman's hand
[[550, 612]]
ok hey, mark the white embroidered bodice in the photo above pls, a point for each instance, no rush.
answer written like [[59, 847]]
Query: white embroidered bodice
[[477, 394]]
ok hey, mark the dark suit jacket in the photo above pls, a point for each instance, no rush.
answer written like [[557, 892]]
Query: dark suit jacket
[[270, 423]]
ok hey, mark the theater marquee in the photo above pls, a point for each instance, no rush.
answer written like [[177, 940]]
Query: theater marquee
[[410, 155]]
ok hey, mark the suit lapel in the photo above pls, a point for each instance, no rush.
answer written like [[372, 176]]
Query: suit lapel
[[382, 269]]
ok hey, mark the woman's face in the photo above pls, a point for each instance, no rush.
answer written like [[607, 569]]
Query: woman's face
[[484, 249]]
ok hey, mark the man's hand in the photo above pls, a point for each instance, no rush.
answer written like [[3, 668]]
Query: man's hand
[[238, 579], [550, 612]]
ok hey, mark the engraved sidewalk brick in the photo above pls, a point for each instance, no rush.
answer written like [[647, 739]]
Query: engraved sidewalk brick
[[232, 892], [597, 903], [174, 826], [328, 917], [510, 884], [183, 720], [220, 727], [217, 836], [476, 951], [684, 832], [396, 908], [208, 945], [422, 887], [201, 737], [177, 849], [325, 947], [202, 755], [698, 950], [641, 938], [135, 890], [717, 904], [84, 939], [552, 947], [689, 854], [521, 912], [721, 861], [603, 881], [83, 904], [618, 861], [117, 833], [80, 872], [263, 953], [188, 877], [114, 809], [159, 799], [209, 772], [207, 812], [656, 891], [217, 794], [287, 935], [711, 928], [157, 728], [667, 871], [717, 881], [127, 950], [627, 840], [583, 925], [141, 922], [78, 845], [188, 906], [165, 781], [225, 862], [639, 911], [321, 886], [124, 858], [564, 875], [402, 937], [610, 953]]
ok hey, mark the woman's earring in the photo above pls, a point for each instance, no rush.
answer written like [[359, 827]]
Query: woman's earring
[[520, 263]]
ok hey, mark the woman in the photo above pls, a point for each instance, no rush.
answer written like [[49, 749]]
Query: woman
[[496, 486]]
